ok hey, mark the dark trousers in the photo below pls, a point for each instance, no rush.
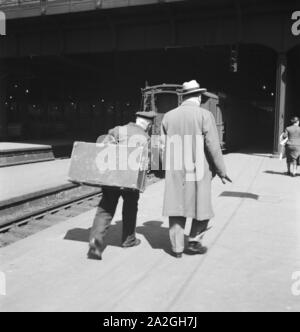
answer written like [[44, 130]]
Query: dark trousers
[[106, 211], [177, 226]]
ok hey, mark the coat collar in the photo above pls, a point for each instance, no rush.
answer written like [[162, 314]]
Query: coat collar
[[189, 103], [133, 124]]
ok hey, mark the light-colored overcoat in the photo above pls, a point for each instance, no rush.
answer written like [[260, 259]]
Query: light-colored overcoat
[[191, 138]]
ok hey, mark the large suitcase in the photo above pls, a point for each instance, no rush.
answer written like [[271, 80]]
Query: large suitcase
[[110, 165]]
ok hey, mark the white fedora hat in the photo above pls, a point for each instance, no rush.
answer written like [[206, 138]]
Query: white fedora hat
[[192, 87]]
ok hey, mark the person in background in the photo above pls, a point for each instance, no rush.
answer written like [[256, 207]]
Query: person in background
[[108, 204], [292, 134]]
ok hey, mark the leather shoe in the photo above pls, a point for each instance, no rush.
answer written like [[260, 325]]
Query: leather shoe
[[95, 251], [196, 248], [177, 254], [130, 244]]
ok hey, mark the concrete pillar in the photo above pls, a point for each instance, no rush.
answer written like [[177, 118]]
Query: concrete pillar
[[280, 107], [3, 115]]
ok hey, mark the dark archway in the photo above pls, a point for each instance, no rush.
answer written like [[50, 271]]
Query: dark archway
[[293, 84]]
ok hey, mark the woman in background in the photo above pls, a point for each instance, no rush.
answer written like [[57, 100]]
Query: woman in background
[[292, 133]]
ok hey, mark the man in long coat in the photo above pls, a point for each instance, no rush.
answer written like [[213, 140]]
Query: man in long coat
[[193, 157]]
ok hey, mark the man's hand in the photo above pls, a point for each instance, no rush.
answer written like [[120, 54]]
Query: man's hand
[[225, 179], [106, 139]]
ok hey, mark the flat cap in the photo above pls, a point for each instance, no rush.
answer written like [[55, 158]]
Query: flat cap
[[146, 115]]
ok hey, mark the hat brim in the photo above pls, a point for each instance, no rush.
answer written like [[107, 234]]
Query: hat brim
[[150, 118], [193, 92], [144, 117]]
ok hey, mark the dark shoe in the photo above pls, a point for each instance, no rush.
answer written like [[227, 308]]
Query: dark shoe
[[177, 255], [95, 251], [196, 248], [130, 244]]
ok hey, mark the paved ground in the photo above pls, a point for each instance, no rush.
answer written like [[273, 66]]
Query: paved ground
[[254, 248], [26, 179]]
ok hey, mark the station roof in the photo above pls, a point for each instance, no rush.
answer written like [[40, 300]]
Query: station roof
[[31, 8]]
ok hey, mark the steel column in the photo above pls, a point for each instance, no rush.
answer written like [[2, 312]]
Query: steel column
[[3, 115], [280, 107]]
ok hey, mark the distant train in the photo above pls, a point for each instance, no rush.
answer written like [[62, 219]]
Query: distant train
[[163, 98]]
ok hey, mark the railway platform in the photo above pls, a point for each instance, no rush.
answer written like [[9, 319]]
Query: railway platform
[[254, 245], [22, 180], [61, 148], [12, 154]]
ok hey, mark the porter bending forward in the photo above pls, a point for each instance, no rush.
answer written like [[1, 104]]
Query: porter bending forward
[[188, 189], [107, 207]]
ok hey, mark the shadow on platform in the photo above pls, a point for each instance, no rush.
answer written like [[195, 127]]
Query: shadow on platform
[[239, 195], [156, 235], [113, 237], [276, 173]]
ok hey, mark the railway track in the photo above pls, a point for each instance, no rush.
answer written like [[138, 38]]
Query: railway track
[[24, 217]]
